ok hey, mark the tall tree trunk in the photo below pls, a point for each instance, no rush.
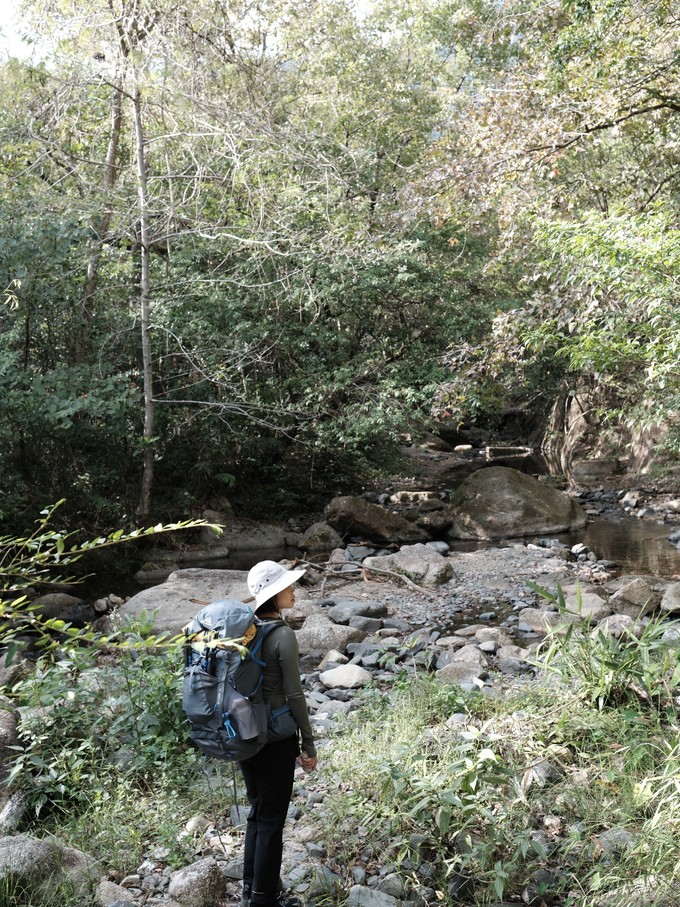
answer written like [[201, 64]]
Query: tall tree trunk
[[100, 225], [144, 505]]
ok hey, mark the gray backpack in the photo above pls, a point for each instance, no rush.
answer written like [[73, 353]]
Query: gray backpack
[[222, 695]]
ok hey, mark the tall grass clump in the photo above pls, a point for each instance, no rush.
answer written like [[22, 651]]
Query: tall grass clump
[[16, 891], [637, 667]]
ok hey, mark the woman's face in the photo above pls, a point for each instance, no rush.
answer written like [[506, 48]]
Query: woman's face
[[285, 599]]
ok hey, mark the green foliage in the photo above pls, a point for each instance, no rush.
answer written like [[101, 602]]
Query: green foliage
[[658, 796], [417, 785], [292, 303], [94, 714], [425, 786], [600, 316], [569, 148], [621, 323], [36, 558], [16, 892], [102, 753], [123, 821], [498, 182], [95, 707], [637, 669]]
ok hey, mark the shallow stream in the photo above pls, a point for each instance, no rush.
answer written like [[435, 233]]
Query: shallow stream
[[638, 547]]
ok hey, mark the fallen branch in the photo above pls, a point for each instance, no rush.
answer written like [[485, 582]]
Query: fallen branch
[[329, 571]]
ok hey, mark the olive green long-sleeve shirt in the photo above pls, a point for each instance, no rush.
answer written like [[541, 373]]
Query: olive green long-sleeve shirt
[[281, 682]]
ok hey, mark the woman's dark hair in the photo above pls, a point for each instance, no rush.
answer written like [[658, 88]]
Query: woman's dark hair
[[267, 606]]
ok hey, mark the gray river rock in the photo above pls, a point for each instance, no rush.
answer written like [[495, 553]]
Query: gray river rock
[[671, 599], [174, 602], [420, 563], [359, 517]]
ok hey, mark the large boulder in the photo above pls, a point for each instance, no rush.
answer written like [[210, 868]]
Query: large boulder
[[419, 563], [178, 599], [44, 865], [9, 734], [671, 599], [655, 583], [318, 635], [497, 503], [358, 517], [12, 812], [588, 606], [11, 802], [320, 537], [218, 516], [471, 655], [635, 598], [61, 606], [12, 667], [618, 625]]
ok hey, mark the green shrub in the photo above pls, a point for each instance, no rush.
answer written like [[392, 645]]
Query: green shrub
[[123, 823], [415, 786], [93, 718], [638, 668]]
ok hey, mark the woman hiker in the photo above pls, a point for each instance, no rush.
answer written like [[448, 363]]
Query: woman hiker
[[269, 774]]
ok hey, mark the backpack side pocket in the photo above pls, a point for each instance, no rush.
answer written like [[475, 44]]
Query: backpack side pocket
[[199, 694], [250, 718]]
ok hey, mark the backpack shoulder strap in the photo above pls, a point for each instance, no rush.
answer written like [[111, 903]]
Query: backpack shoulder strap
[[264, 629]]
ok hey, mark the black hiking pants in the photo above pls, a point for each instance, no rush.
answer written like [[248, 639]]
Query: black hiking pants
[[269, 784]]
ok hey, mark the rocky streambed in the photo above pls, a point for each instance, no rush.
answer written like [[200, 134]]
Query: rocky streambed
[[369, 611], [479, 629]]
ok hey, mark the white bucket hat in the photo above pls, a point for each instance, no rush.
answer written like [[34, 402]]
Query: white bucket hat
[[267, 578]]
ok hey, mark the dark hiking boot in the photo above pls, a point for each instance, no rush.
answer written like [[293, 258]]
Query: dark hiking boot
[[282, 900], [287, 900]]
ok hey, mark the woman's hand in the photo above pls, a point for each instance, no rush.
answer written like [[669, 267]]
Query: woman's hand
[[308, 763]]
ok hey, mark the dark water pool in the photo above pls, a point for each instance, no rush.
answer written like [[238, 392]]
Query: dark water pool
[[637, 546]]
